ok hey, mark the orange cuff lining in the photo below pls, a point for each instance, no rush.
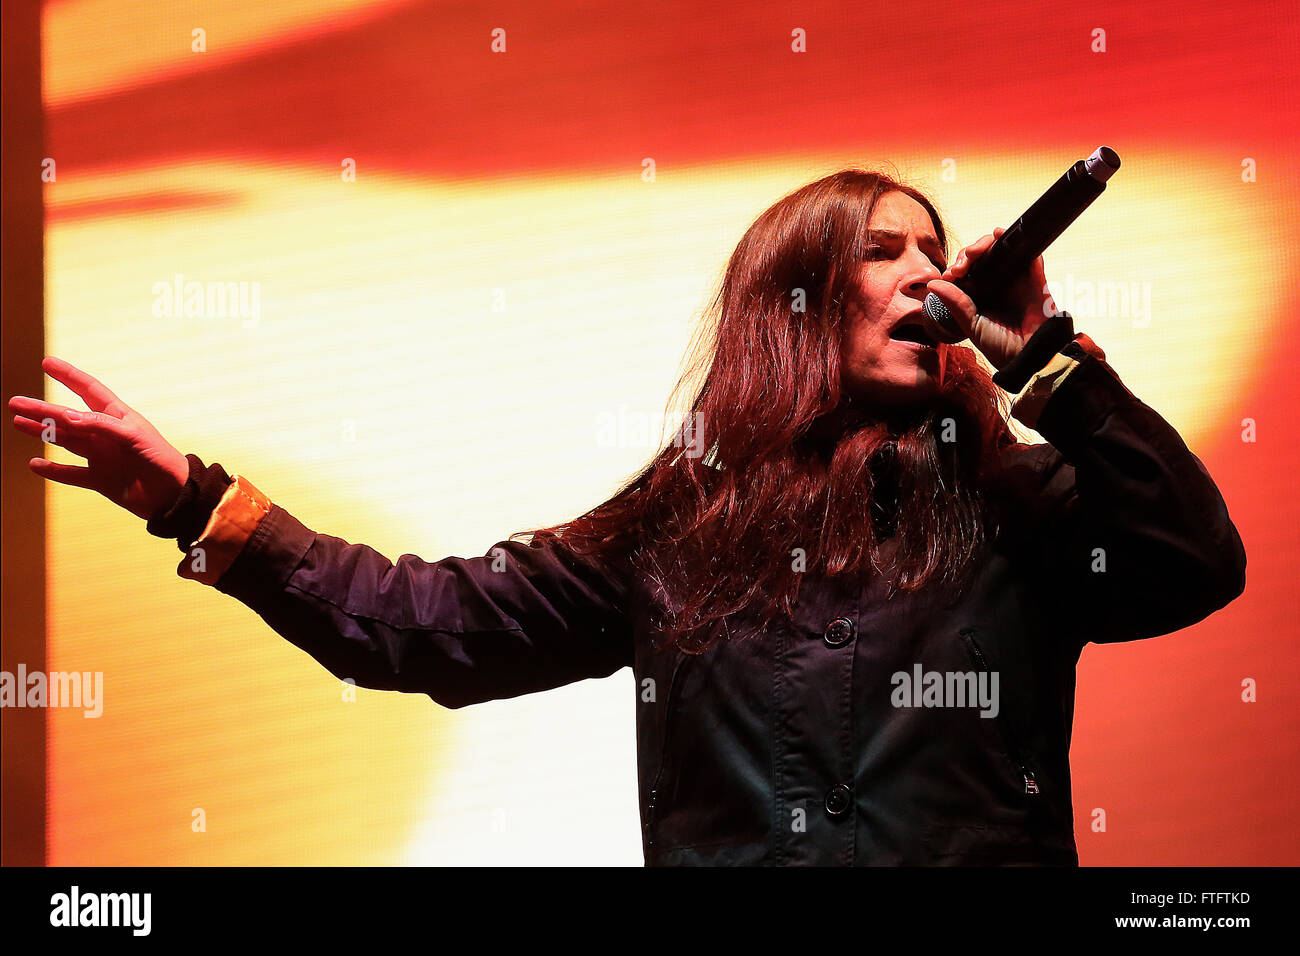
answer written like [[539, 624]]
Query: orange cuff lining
[[232, 523]]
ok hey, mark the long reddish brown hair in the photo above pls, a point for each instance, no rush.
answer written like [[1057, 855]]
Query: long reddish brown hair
[[799, 477]]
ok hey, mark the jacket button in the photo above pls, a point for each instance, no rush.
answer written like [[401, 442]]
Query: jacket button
[[838, 632], [838, 800]]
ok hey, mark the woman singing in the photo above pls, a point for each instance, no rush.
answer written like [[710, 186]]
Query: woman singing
[[852, 601]]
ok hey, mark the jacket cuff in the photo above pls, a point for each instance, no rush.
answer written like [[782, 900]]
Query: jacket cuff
[[268, 559], [1080, 403], [1037, 351], [185, 518], [231, 524], [1028, 408]]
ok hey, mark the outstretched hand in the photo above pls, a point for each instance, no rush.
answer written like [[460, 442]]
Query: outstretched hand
[[127, 460]]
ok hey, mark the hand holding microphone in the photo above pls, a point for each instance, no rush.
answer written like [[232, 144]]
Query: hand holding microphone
[[995, 292], [999, 331]]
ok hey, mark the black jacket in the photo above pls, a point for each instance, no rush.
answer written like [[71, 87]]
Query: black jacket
[[797, 748]]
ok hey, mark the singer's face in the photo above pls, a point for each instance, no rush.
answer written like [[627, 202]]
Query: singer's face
[[879, 364]]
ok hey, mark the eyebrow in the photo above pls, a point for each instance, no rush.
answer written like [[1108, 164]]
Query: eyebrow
[[924, 239], [891, 234]]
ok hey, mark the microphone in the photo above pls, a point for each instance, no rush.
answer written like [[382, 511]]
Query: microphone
[[1013, 252]]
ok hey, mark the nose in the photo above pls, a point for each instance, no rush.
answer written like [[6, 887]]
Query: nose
[[920, 270]]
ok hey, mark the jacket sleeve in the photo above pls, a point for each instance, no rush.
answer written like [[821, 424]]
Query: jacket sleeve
[[1135, 539], [519, 619]]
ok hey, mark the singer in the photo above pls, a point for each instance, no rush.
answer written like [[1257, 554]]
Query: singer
[[853, 620]]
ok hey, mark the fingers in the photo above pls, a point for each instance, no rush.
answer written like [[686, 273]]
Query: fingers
[[966, 258], [80, 445], [39, 409], [960, 305], [75, 475], [74, 420], [89, 389], [29, 427]]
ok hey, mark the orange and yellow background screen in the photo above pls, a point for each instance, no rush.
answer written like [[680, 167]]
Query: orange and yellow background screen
[[474, 242]]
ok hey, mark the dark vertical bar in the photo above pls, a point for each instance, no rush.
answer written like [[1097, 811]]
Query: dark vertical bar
[[22, 325]]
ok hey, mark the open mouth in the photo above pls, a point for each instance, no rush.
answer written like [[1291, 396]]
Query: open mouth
[[912, 332]]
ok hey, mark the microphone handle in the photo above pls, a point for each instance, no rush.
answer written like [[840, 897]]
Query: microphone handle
[[1025, 240]]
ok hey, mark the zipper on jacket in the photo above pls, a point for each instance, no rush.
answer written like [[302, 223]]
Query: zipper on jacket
[[1027, 776], [653, 799]]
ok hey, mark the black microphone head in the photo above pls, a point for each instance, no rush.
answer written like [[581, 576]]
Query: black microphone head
[[942, 325]]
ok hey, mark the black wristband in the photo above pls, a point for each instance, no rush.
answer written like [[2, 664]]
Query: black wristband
[[189, 513], [1074, 350], [1046, 341]]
